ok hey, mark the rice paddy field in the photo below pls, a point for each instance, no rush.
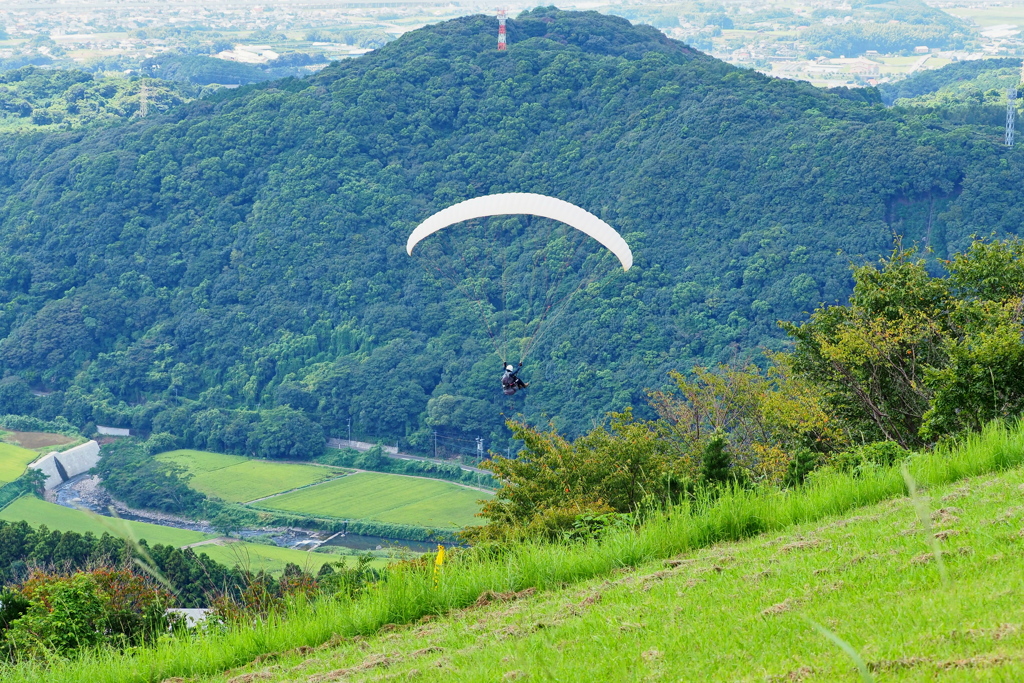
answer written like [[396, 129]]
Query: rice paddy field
[[254, 556], [13, 460], [390, 498], [238, 479], [271, 558], [42, 441], [36, 511]]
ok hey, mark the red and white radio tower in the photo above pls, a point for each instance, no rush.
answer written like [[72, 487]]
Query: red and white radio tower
[[501, 29]]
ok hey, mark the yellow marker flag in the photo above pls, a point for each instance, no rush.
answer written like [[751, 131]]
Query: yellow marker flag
[[437, 565]]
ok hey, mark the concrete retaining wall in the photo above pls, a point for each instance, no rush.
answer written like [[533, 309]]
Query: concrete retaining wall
[[113, 431], [59, 467]]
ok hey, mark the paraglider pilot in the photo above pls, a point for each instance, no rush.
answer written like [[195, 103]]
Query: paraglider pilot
[[510, 382]]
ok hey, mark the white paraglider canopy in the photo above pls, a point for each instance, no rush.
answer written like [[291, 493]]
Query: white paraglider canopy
[[513, 203]]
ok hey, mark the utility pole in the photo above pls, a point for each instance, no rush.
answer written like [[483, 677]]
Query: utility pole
[[350, 431], [502, 15], [1011, 114], [435, 444], [480, 448]]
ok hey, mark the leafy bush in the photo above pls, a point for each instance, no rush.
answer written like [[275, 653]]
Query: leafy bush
[[66, 614], [914, 357], [161, 443], [553, 481], [872, 455]]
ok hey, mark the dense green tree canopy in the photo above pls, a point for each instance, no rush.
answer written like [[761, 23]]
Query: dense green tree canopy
[[247, 251]]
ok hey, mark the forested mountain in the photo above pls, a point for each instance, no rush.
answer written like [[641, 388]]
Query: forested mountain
[[961, 93], [31, 96], [182, 273], [952, 75]]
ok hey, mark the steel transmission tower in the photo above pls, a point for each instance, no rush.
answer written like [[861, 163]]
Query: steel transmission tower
[[501, 28]]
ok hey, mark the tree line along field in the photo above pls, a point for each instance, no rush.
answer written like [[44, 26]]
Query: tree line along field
[[391, 498], [238, 479], [328, 491], [254, 556]]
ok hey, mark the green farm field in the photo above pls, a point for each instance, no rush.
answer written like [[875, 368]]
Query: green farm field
[[256, 556], [391, 498], [36, 512], [13, 460], [237, 479]]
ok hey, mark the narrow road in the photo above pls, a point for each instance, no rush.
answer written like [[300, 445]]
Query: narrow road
[[392, 452], [918, 64]]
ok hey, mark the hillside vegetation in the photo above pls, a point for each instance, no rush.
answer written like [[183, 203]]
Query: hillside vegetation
[[743, 611], [192, 272], [933, 80], [417, 589], [31, 97]]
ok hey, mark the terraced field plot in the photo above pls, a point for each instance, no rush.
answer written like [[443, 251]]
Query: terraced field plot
[[36, 512], [388, 498], [42, 440], [237, 479], [13, 460]]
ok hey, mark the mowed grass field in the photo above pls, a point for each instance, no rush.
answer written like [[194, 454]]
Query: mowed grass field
[[271, 558], [238, 479], [56, 517], [13, 460], [253, 556], [391, 498]]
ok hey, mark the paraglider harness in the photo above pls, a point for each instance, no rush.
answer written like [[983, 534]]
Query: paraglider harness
[[510, 382]]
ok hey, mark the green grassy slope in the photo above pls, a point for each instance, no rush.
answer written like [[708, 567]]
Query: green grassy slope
[[736, 611], [13, 460], [391, 498], [237, 479]]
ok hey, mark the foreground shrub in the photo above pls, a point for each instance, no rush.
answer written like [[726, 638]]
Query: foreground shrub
[[553, 481], [65, 614], [869, 456]]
